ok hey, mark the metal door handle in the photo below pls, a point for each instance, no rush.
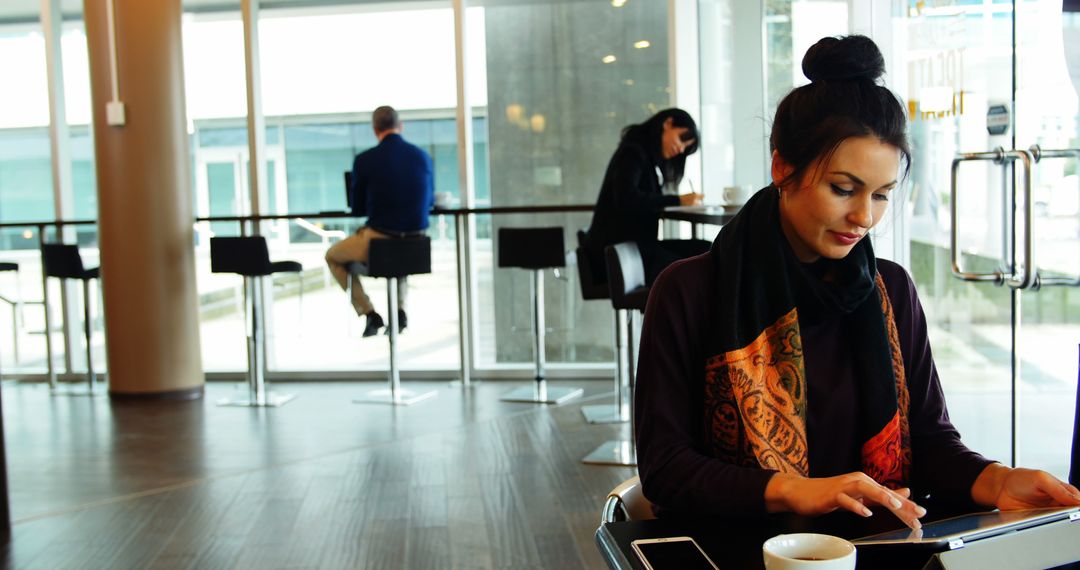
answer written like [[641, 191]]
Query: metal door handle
[[1027, 279], [999, 156], [1038, 154]]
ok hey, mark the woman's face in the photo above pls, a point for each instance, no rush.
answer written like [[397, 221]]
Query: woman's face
[[671, 142], [838, 199]]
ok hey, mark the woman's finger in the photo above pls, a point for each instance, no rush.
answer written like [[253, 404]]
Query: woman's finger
[[847, 502], [904, 509]]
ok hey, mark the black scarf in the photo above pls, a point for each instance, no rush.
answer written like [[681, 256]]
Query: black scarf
[[755, 388]]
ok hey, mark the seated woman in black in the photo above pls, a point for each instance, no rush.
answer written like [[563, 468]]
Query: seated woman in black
[[789, 369], [650, 156]]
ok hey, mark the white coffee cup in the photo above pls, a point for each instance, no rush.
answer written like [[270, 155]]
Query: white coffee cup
[[808, 551], [738, 195]]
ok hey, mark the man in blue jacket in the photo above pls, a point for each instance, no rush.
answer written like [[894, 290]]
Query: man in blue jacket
[[393, 182]]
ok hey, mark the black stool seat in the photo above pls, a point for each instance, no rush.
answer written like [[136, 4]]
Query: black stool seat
[[247, 256], [8, 266], [393, 259], [626, 276], [286, 267], [396, 257], [629, 293], [63, 261], [593, 283], [536, 249], [531, 248]]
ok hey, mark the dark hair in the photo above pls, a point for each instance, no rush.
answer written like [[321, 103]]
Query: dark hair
[[648, 134], [385, 118], [842, 100]]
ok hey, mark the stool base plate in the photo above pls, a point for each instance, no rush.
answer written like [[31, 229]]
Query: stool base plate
[[551, 396], [273, 400], [404, 397], [604, 414], [614, 452], [82, 391]]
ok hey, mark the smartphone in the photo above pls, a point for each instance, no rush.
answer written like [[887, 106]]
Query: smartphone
[[676, 552]]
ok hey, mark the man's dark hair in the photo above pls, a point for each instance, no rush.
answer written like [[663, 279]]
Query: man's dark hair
[[842, 100], [385, 118]]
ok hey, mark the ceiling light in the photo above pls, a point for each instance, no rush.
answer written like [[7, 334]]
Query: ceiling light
[[642, 44], [608, 59], [618, 3]]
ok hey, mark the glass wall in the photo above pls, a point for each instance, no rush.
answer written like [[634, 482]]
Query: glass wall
[[26, 188], [563, 79]]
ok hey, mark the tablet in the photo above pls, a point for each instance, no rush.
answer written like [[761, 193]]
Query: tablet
[[956, 531]]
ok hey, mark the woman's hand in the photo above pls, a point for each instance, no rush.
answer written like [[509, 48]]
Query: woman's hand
[[852, 492], [690, 199], [1007, 489]]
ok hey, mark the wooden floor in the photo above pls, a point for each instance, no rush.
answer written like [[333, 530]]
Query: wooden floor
[[460, 481]]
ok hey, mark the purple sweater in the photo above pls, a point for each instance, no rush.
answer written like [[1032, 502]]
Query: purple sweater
[[677, 473]]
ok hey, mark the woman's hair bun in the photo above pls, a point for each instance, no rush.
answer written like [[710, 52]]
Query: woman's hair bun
[[844, 57]]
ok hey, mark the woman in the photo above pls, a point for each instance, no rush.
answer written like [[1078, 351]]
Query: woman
[[789, 369], [650, 156]]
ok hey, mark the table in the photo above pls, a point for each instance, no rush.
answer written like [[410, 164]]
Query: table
[[699, 215], [736, 543]]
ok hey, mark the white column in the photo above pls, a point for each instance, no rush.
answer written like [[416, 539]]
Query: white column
[[60, 147], [751, 136], [466, 184], [683, 75]]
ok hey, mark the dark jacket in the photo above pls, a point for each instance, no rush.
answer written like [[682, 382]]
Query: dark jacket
[[630, 201], [394, 181]]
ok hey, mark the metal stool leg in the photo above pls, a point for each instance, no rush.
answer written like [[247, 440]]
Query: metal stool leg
[[258, 395], [394, 395], [615, 413], [621, 452], [91, 378], [540, 393]]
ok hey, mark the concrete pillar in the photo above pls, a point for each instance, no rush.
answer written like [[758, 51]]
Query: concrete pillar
[[144, 206]]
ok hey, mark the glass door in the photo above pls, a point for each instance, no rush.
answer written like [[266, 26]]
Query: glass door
[[1048, 316], [991, 219]]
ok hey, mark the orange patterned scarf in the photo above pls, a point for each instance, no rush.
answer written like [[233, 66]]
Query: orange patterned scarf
[[755, 384]]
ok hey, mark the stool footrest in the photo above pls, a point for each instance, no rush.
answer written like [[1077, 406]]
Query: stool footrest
[[618, 452]]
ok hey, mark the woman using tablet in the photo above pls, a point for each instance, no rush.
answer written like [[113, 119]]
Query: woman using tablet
[[651, 155], [788, 369]]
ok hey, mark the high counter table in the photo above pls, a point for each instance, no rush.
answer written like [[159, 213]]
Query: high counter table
[[700, 215]]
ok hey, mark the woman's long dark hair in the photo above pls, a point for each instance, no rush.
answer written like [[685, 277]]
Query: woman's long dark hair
[[647, 135], [842, 100]]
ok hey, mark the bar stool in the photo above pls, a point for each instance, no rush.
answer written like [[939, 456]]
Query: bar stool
[[629, 293], [393, 259], [535, 249], [16, 303], [63, 261], [250, 257], [594, 286]]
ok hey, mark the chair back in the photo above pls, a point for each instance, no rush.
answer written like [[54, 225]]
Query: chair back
[[626, 503], [531, 248], [1074, 464], [593, 283], [246, 256], [398, 257], [62, 260], [626, 276]]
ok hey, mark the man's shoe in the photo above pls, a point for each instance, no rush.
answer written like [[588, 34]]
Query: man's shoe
[[402, 322], [374, 323]]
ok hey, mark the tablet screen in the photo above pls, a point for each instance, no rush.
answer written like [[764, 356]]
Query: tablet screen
[[970, 526]]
